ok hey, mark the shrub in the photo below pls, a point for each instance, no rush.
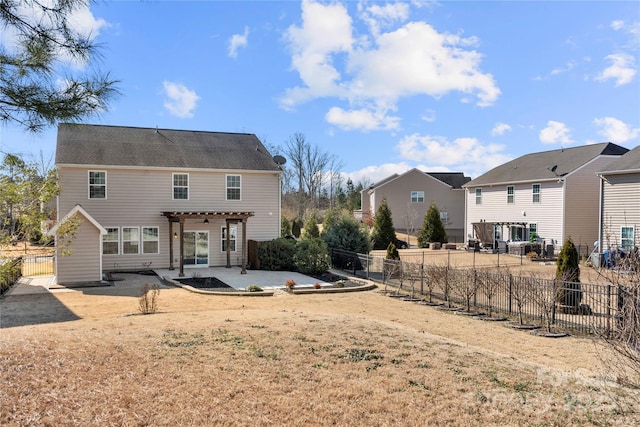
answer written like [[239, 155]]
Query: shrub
[[432, 228], [317, 285], [254, 288], [9, 273], [285, 227], [383, 232], [295, 227], [311, 230], [343, 232], [568, 271], [277, 255], [148, 300], [312, 256], [290, 284], [339, 284], [392, 252]]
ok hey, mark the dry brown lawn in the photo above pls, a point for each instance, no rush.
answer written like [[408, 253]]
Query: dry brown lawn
[[324, 360]]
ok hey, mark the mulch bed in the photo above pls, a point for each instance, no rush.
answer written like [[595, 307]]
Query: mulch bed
[[206, 283]]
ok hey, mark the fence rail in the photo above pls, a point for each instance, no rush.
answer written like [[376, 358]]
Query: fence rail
[[583, 307]]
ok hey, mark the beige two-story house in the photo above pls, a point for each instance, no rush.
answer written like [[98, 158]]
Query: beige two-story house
[[410, 194], [620, 203], [551, 195], [161, 198]]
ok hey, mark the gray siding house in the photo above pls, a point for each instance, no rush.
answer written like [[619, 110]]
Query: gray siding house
[[161, 198], [410, 194], [620, 202], [554, 194]]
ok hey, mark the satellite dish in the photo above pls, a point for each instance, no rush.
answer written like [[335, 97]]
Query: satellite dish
[[279, 160]]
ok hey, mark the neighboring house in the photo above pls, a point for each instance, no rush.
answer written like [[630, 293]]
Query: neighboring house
[[410, 194], [554, 194], [160, 198], [620, 202]]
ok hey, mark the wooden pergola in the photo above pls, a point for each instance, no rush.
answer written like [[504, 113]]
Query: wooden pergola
[[229, 217]]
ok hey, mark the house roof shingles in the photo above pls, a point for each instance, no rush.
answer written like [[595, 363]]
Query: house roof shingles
[[81, 144], [630, 162], [546, 165], [453, 179]]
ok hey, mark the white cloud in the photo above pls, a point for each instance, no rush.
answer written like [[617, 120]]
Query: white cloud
[[377, 16], [181, 101], [622, 69], [373, 174], [382, 67], [237, 41], [555, 133], [617, 24], [429, 116], [364, 120], [500, 129], [462, 154], [614, 130]]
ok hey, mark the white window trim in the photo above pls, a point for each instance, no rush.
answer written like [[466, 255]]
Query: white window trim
[[478, 193], [111, 241], [173, 185], [223, 239], [632, 238], [95, 185], [533, 194], [226, 187], [512, 195], [419, 197], [142, 240], [122, 240]]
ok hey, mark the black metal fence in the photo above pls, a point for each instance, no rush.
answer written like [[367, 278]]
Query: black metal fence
[[37, 265], [582, 307]]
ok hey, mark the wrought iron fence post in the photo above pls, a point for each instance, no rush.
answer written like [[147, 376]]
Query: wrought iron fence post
[[510, 291], [422, 275], [608, 309], [475, 288]]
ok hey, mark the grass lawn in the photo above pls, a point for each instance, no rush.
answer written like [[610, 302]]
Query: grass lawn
[[87, 358]]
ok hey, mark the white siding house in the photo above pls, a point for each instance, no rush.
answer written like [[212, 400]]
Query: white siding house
[[164, 198], [620, 202], [410, 194], [554, 194]]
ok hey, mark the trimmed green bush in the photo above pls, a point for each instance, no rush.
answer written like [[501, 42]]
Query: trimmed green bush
[[312, 256], [392, 252], [311, 230], [277, 255], [296, 227]]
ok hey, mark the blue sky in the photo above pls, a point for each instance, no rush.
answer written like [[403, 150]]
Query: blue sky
[[383, 86]]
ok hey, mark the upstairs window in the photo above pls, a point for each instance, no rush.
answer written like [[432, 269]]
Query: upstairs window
[[478, 196], [511, 195], [97, 185], [233, 187], [417, 197], [536, 193], [180, 186]]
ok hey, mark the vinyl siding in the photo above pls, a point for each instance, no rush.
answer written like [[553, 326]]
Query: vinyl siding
[[83, 264], [494, 208], [620, 207], [582, 199], [407, 214], [137, 197]]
